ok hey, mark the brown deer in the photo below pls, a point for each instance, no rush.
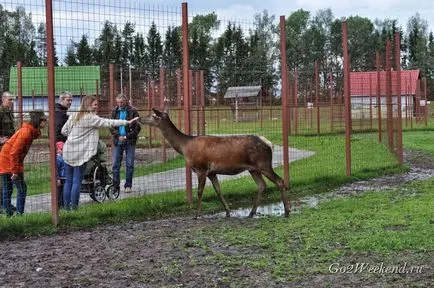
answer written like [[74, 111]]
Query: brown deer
[[228, 155]]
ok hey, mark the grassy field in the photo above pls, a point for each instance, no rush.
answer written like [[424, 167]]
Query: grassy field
[[310, 176]]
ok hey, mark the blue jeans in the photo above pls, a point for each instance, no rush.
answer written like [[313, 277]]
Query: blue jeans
[[118, 152], [7, 190], [72, 186]]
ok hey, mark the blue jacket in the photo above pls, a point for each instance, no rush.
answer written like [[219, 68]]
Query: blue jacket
[[132, 130]]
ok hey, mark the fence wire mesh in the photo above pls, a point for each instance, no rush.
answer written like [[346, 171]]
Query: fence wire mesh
[[135, 49]]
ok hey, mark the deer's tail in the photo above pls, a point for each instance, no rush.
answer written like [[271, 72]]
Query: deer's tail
[[266, 141]]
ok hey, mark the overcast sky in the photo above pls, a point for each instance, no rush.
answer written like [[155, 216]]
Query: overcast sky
[[372, 9], [75, 18]]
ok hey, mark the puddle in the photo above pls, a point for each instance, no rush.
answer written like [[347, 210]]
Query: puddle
[[274, 209], [351, 189]]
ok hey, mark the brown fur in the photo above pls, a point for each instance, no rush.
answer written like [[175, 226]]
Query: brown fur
[[229, 155]]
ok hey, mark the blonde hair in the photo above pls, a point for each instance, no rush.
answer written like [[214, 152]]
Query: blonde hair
[[85, 106]]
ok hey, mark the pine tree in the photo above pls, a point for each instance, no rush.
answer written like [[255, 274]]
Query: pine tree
[[84, 52], [154, 51]]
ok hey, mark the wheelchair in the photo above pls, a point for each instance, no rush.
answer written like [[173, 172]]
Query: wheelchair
[[97, 181]]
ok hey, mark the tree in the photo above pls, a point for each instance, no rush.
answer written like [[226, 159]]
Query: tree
[[263, 53], [417, 41], [154, 51], [200, 41], [71, 56], [104, 46], [17, 42], [297, 25], [84, 51], [231, 53], [139, 59], [42, 44], [172, 52], [128, 43]]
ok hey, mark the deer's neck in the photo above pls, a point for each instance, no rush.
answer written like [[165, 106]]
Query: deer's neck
[[176, 138]]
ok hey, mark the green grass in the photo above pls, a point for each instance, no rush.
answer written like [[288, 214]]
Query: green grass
[[310, 176], [419, 141], [307, 243]]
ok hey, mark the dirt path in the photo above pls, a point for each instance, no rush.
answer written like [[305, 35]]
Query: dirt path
[[163, 254]]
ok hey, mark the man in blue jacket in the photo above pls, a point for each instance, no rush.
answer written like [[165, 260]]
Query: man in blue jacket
[[124, 140]]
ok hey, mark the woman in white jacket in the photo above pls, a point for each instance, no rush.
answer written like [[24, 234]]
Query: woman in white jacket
[[82, 130]]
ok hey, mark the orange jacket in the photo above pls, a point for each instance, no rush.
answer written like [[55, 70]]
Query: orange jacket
[[15, 149]]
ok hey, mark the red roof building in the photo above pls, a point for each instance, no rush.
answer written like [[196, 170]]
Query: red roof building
[[363, 87], [365, 83]]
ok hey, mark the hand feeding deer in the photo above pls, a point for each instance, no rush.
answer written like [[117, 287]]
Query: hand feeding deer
[[228, 155]]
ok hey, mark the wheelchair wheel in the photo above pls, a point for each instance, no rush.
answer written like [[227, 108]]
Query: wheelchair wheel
[[112, 192], [98, 194]]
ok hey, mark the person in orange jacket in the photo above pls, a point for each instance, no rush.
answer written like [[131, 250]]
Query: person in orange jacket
[[12, 160]]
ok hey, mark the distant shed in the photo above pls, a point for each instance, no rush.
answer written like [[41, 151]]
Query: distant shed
[[245, 102]]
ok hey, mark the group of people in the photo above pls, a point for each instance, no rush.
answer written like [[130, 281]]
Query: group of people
[[77, 137]]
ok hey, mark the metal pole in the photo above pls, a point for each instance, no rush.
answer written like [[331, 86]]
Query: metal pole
[[20, 91], [318, 116], [284, 100], [389, 104], [131, 84], [122, 82], [347, 97], [162, 93], [202, 101], [377, 61], [187, 95], [398, 96], [51, 107], [112, 85]]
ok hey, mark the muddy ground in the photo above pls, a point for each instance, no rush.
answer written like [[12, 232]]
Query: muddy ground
[[162, 254]]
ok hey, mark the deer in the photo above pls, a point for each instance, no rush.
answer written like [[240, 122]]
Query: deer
[[209, 156]]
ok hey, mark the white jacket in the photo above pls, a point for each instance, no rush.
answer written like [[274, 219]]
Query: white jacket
[[83, 135]]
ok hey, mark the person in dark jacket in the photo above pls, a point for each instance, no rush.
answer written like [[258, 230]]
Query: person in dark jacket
[[124, 140], [65, 102], [7, 127]]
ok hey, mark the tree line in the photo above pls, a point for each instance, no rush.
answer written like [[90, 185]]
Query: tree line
[[235, 57]]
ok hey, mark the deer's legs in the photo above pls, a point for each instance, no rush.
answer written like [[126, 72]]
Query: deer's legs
[[201, 179], [216, 185], [256, 175], [270, 174]]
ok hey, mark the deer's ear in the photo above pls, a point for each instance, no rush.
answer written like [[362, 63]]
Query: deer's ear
[[166, 105]]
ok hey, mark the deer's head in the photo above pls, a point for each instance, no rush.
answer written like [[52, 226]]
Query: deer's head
[[156, 118]]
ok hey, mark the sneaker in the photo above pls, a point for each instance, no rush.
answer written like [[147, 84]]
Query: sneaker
[[128, 190]]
